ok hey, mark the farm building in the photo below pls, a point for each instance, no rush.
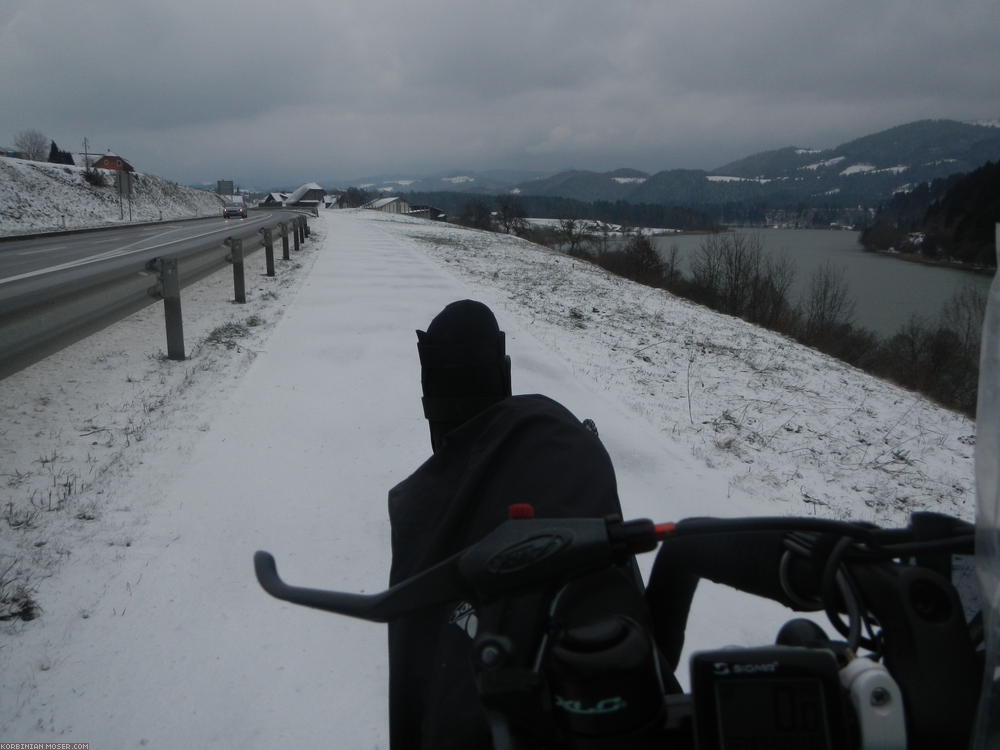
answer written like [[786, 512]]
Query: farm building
[[427, 212], [274, 200], [309, 194], [390, 205]]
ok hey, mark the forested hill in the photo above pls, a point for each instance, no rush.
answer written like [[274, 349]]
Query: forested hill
[[947, 219]]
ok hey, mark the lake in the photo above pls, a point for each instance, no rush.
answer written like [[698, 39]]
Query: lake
[[886, 290]]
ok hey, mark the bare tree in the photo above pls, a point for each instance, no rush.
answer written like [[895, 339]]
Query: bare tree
[[828, 308], [963, 313], [573, 237], [33, 144], [769, 302], [672, 265], [510, 214], [733, 274], [706, 273], [603, 240], [727, 268], [742, 261]]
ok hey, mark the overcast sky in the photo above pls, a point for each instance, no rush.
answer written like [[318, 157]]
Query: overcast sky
[[281, 93]]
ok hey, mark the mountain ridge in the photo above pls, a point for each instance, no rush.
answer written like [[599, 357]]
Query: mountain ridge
[[865, 171]]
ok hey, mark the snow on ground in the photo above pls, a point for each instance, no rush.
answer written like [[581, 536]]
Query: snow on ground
[[600, 227], [724, 178], [138, 488], [825, 163], [38, 196], [858, 169]]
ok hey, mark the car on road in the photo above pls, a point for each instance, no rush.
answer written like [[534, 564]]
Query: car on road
[[230, 211]]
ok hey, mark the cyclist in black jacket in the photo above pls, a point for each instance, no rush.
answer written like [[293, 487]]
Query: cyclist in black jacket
[[491, 450]]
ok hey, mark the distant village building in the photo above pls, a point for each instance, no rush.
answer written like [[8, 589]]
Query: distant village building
[[427, 212], [113, 162], [309, 194], [389, 205], [274, 200]]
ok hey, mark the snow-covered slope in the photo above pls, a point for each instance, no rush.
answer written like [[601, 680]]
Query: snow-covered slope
[[38, 196], [138, 488]]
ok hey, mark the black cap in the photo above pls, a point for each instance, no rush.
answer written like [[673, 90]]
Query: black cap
[[464, 366]]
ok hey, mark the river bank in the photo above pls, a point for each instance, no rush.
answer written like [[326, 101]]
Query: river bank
[[925, 261]]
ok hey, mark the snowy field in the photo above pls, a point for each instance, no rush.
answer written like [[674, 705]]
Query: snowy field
[[600, 227], [137, 489], [38, 196]]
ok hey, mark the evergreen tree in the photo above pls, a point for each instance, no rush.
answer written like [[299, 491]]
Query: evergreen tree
[[477, 214], [59, 157], [961, 223], [356, 197]]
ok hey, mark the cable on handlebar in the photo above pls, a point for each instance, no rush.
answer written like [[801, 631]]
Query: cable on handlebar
[[836, 579]]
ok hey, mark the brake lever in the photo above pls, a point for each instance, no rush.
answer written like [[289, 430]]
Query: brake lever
[[515, 556], [437, 585]]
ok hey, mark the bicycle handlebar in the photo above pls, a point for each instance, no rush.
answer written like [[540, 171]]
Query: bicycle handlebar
[[528, 553]]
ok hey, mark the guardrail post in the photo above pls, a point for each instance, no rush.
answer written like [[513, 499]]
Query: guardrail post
[[295, 233], [268, 250], [236, 258], [169, 289], [305, 226], [284, 241]]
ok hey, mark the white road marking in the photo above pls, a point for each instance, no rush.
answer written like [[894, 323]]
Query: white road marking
[[124, 250], [43, 250]]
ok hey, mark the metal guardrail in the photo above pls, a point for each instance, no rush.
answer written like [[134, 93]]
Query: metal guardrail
[[43, 313]]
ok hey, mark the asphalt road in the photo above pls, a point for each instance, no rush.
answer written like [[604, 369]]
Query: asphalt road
[[32, 257]]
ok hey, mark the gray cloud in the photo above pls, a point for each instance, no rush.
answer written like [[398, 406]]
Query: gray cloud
[[310, 89]]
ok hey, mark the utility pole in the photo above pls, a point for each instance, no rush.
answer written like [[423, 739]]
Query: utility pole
[[86, 156]]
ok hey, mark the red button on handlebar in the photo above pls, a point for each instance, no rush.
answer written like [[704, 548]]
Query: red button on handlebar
[[520, 511], [663, 530]]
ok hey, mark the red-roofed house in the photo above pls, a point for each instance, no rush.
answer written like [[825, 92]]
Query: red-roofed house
[[113, 161]]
